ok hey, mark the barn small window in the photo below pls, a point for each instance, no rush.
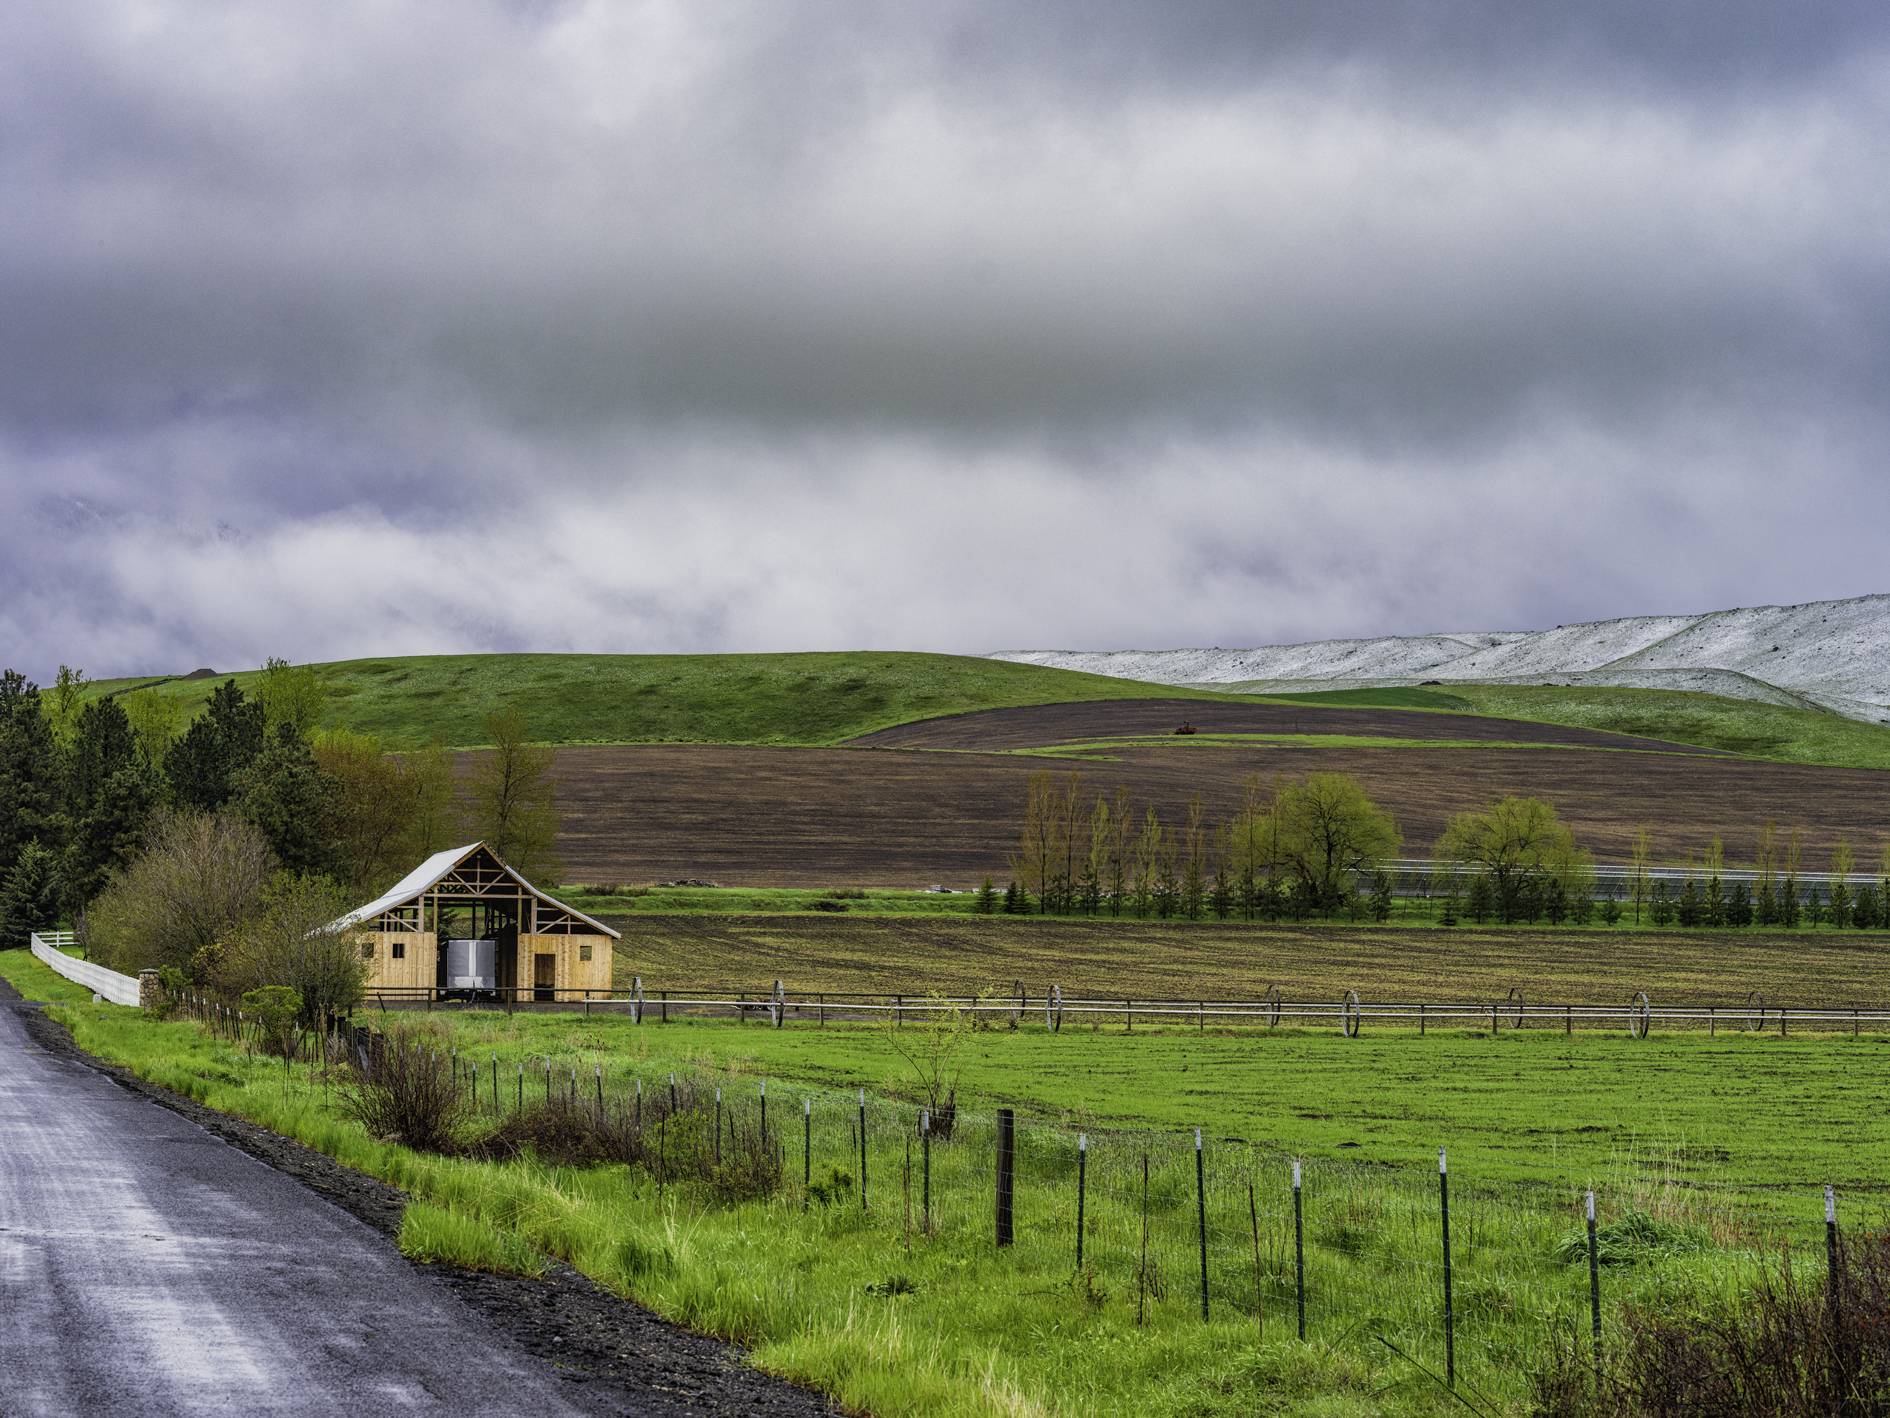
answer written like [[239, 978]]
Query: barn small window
[[367, 950], [398, 950], [584, 951]]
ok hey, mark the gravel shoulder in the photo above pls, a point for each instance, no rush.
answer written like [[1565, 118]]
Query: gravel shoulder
[[616, 1356]]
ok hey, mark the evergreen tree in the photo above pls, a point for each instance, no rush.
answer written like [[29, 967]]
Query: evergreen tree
[[1788, 904], [1714, 904], [102, 743], [987, 899], [1447, 912], [298, 807], [1611, 912], [219, 747], [1167, 888], [1739, 905], [29, 901], [1840, 905], [1555, 903], [1867, 913], [1016, 900], [108, 837], [1692, 910], [1660, 907], [1481, 904], [1765, 908], [1221, 898], [29, 771], [1381, 897], [1814, 906]]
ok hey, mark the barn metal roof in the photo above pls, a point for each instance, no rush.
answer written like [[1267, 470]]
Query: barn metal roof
[[436, 868]]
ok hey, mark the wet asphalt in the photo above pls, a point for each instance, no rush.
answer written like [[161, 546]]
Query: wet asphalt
[[147, 1268]]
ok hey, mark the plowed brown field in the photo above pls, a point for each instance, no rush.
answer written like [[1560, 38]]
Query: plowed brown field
[[1215, 960], [877, 817]]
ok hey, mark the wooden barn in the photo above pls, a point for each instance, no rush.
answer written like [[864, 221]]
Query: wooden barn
[[464, 925]]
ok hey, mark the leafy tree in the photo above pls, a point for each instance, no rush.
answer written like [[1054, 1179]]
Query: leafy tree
[[514, 800], [197, 881], [301, 808], [1195, 869], [216, 750], [1328, 832], [29, 901], [64, 701], [380, 799], [293, 938], [29, 771], [156, 720], [1517, 841], [437, 821], [1643, 853], [290, 697]]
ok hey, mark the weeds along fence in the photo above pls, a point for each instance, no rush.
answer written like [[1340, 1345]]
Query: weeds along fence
[[1475, 1278], [1636, 1015]]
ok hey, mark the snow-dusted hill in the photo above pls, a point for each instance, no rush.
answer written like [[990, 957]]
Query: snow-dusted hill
[[1832, 655]]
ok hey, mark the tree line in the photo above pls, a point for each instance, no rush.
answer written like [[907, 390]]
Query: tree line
[[1296, 850], [165, 843]]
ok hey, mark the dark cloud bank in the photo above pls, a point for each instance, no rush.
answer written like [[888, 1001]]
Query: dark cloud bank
[[363, 328]]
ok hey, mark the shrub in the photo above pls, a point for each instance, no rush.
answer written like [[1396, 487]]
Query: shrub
[[407, 1092]]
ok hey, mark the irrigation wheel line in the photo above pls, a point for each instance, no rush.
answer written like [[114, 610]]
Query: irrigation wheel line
[[1755, 1004], [1640, 1016], [1349, 1014], [1271, 1005], [1513, 1006]]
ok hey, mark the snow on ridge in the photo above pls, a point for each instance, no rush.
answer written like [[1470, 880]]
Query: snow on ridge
[[1828, 654]]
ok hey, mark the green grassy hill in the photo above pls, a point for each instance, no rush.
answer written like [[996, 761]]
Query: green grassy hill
[[749, 699], [1709, 720]]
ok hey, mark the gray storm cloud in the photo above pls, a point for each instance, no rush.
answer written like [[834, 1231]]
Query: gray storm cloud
[[774, 327]]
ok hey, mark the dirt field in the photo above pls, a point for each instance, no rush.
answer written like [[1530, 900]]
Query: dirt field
[[1213, 959], [1039, 725], [877, 817]]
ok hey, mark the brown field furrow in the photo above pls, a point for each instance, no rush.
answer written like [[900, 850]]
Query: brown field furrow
[[1042, 725], [1217, 960], [814, 817]]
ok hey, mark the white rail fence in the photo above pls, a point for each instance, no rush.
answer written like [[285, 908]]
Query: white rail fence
[[107, 984]]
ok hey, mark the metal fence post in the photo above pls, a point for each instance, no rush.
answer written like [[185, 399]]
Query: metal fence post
[[1082, 1191], [925, 1133], [1450, 1337], [1200, 1211], [862, 1149], [1831, 1243], [1006, 1156], [1594, 1287], [1299, 1250]]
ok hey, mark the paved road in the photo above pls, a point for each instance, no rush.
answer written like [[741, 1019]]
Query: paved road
[[147, 1268]]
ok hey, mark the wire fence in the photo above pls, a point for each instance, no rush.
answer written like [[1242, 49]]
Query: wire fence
[[1635, 1015], [1469, 1275]]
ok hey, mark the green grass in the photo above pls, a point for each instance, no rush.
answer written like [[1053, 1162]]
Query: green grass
[[810, 699], [890, 1319], [1390, 698], [1707, 720]]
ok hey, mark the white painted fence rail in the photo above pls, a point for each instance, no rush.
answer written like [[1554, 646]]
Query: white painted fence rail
[[108, 984]]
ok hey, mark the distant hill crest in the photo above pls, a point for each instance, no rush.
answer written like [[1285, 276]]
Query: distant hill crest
[[1828, 655]]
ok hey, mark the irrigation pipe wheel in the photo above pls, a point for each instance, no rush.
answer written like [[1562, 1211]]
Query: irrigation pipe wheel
[[1755, 1013], [636, 1000], [1272, 1002], [1053, 1010], [1640, 1016], [1348, 1014], [777, 1005], [1513, 1009]]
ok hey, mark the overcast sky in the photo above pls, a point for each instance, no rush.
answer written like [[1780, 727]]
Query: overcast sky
[[405, 326]]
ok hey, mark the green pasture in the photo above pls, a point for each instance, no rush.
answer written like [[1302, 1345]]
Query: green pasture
[[808, 699], [895, 1317]]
